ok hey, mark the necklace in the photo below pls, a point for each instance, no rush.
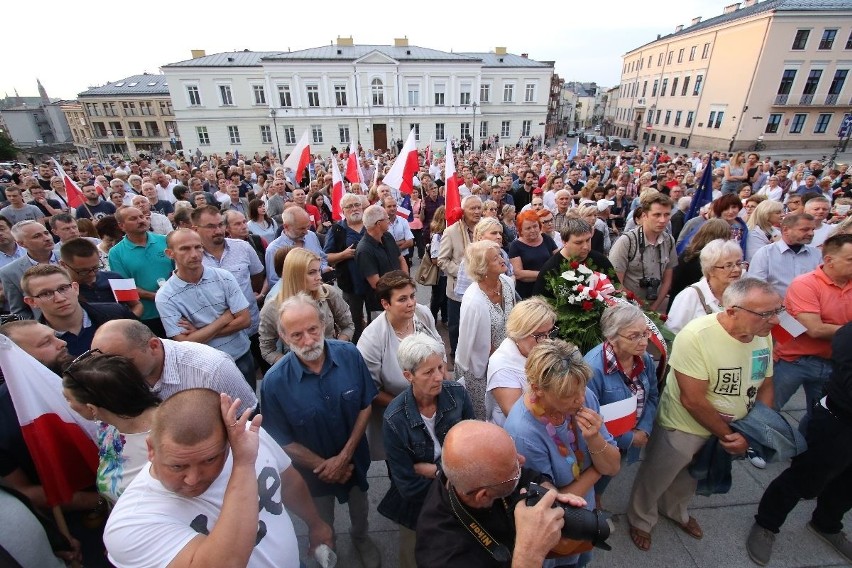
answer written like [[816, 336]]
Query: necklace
[[497, 291], [575, 456], [402, 334]]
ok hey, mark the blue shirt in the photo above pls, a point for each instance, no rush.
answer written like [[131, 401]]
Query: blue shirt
[[100, 291], [319, 411], [146, 264], [778, 264], [201, 303], [7, 258], [311, 243], [239, 259]]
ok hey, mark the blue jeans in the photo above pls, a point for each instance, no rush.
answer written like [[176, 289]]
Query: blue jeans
[[454, 316], [810, 372], [245, 363]]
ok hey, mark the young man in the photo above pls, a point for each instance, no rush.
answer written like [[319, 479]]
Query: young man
[[94, 207], [17, 210]]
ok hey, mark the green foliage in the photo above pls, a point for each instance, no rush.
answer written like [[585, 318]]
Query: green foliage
[[8, 151]]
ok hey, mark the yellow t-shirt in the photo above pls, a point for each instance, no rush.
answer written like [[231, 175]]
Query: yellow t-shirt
[[733, 370]]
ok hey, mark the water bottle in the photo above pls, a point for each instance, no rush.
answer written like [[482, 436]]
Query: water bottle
[[325, 556]]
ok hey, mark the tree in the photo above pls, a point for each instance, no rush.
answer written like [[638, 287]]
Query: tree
[[8, 151]]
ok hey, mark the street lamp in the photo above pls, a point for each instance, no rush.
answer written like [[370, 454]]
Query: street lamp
[[474, 123], [272, 113]]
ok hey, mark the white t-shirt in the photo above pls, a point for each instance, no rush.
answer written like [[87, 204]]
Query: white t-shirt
[[150, 525], [429, 421], [822, 233], [505, 369]]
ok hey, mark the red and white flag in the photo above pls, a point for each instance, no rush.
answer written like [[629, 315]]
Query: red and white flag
[[620, 417], [336, 189], [353, 169], [402, 212], [405, 167], [429, 153], [124, 289], [60, 441], [300, 157], [788, 328], [452, 199], [72, 190]]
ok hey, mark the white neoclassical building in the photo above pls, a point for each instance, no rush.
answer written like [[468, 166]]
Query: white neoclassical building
[[372, 94]]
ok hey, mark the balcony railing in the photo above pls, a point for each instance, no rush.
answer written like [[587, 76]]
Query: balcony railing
[[831, 99], [781, 99], [806, 100]]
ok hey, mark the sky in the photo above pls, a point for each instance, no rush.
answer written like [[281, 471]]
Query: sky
[[586, 40]]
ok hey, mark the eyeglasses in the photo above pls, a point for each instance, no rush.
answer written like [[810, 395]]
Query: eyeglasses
[[636, 337], [86, 271], [731, 265], [513, 481], [82, 357], [552, 334], [50, 294], [764, 315]]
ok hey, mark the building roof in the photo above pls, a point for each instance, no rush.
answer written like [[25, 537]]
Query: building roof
[[507, 60], [244, 58], [353, 52], [145, 84], [755, 9]]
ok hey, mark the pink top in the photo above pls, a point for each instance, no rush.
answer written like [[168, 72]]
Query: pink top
[[415, 209]]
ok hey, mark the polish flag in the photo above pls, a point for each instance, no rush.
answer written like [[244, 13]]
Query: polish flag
[[353, 169], [124, 289], [620, 417], [787, 329], [61, 443], [404, 167], [402, 212], [336, 189], [72, 190], [300, 157], [452, 199]]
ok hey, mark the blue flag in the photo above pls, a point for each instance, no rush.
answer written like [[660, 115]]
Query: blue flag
[[704, 193], [575, 150]]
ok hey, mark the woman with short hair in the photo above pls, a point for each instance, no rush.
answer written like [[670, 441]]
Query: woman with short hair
[[529, 251], [763, 226]]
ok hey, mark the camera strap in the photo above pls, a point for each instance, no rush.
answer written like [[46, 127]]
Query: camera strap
[[500, 552], [640, 241]]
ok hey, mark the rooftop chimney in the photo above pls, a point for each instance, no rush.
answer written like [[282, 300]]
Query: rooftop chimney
[[400, 41], [500, 51], [345, 41], [695, 20], [525, 55], [196, 53], [748, 3], [731, 8], [679, 28]]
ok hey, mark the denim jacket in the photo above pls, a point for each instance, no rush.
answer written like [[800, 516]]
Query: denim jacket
[[407, 442], [612, 388]]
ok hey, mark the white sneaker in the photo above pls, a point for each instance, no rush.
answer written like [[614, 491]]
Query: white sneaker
[[755, 459]]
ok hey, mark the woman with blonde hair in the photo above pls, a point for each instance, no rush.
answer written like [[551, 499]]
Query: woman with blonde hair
[[489, 229], [301, 273], [763, 226], [735, 174]]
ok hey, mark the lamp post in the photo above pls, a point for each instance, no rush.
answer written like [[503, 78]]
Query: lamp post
[[272, 113], [474, 124]]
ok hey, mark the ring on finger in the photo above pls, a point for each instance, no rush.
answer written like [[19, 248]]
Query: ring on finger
[[234, 424]]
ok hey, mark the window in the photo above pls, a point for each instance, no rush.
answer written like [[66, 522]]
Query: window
[[483, 129], [265, 134], [650, 59], [654, 89], [193, 96], [285, 98], [525, 127], [378, 92], [414, 95], [660, 60], [135, 128], [837, 82], [439, 131], [668, 118], [719, 116], [849, 41], [664, 87], [689, 116], [485, 93], [440, 96], [110, 109], [529, 93], [685, 86], [798, 123], [416, 127], [116, 129], [504, 128], [672, 140], [343, 133], [171, 128], [822, 123], [692, 52], [146, 108], [801, 39], [464, 129], [705, 53], [234, 134], [100, 129], [340, 95], [226, 98], [680, 55], [697, 88], [657, 118], [313, 95], [677, 117], [644, 88], [152, 129], [772, 123], [508, 93], [289, 134], [827, 41], [711, 119], [786, 81], [813, 82], [259, 94], [316, 133], [166, 108], [669, 58], [203, 135], [129, 109], [674, 85], [464, 94]]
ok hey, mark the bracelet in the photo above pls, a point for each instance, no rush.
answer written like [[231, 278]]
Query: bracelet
[[600, 451]]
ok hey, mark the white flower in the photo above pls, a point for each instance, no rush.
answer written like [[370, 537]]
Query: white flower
[[583, 269]]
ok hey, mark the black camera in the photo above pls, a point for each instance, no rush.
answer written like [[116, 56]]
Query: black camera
[[651, 286], [580, 524]]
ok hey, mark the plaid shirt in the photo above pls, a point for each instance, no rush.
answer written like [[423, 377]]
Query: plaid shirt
[[634, 383]]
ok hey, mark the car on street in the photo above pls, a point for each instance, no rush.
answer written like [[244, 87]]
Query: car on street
[[616, 143]]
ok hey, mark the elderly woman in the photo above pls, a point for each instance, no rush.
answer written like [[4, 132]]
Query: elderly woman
[[623, 369], [482, 323], [488, 229], [414, 427], [378, 344], [529, 251], [721, 264], [763, 226], [530, 322], [110, 390], [557, 427]]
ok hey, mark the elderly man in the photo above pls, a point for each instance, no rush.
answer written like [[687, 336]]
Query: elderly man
[[236, 227], [158, 205], [788, 257], [482, 479], [9, 249], [160, 224], [295, 232], [377, 253], [340, 243], [560, 215], [721, 365], [188, 507], [36, 239], [819, 208], [275, 199], [318, 399], [399, 227], [170, 366]]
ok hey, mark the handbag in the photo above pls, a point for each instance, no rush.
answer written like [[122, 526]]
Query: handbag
[[428, 272]]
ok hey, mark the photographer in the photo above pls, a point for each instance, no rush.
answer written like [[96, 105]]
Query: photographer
[[476, 510]]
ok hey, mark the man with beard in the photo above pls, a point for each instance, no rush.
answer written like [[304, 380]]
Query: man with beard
[[340, 245], [316, 402]]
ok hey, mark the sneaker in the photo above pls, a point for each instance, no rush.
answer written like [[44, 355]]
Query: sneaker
[[759, 544], [755, 459], [368, 551], [839, 541]]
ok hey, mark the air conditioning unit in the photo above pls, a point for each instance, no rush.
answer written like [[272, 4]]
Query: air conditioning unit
[[640, 101]]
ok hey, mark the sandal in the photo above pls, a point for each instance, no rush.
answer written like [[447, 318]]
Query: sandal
[[640, 538], [692, 528]]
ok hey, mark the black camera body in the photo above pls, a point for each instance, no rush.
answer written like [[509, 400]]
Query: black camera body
[[651, 285], [580, 523]]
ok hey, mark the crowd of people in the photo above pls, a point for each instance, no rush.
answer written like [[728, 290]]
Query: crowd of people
[[272, 349]]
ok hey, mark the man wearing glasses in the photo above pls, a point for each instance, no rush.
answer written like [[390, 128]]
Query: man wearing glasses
[[80, 258], [721, 365], [377, 253], [340, 244]]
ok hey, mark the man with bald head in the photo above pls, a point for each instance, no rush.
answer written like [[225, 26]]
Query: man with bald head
[[482, 478], [188, 507], [296, 232]]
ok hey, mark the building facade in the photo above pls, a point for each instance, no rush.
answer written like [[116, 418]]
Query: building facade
[[773, 72], [346, 93], [81, 132], [130, 116]]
